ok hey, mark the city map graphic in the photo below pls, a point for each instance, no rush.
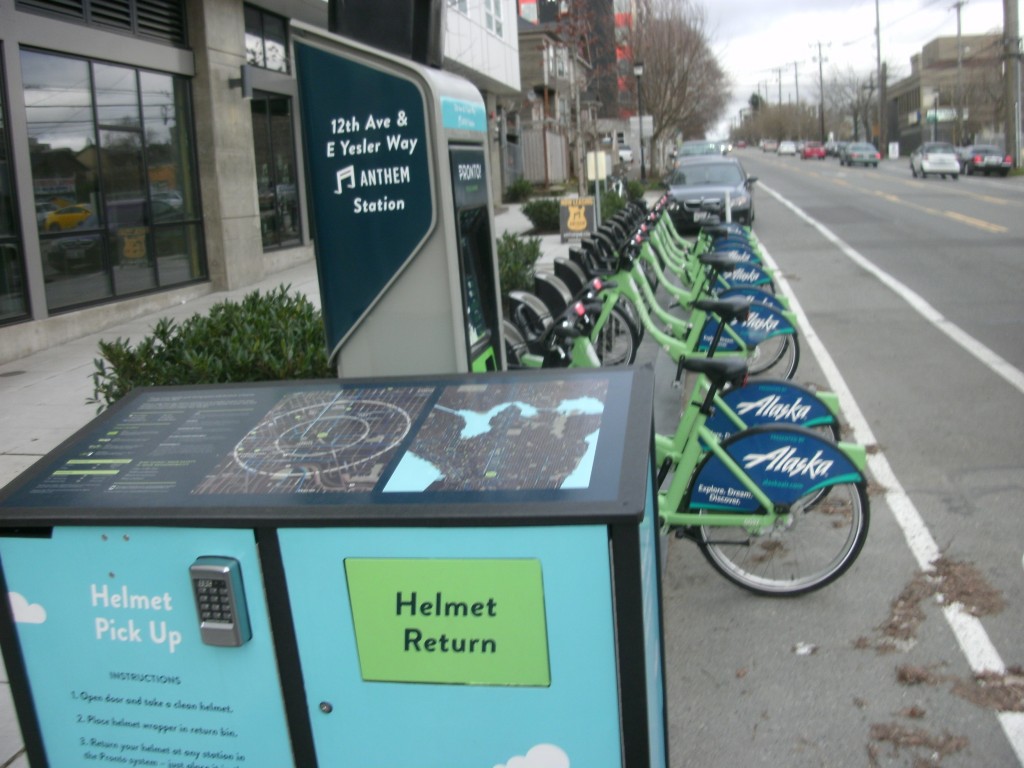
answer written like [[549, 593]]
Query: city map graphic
[[526, 435], [321, 441], [512, 436]]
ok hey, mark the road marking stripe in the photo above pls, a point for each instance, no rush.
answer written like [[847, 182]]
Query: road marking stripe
[[979, 223], [988, 357], [981, 654]]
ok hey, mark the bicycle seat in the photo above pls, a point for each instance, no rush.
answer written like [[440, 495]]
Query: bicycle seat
[[729, 309], [721, 371], [722, 262], [724, 229]]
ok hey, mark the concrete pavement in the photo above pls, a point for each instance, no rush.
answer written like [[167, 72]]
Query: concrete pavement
[[44, 399]]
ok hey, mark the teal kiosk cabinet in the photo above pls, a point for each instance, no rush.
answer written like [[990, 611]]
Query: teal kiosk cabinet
[[398, 173], [452, 571]]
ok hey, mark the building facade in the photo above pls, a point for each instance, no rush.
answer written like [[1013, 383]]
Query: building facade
[[150, 152], [954, 93]]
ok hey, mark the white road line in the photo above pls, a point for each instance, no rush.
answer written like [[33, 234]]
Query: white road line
[[993, 361], [981, 655]]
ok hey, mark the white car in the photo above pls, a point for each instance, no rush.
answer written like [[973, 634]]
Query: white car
[[625, 153], [935, 157], [787, 148]]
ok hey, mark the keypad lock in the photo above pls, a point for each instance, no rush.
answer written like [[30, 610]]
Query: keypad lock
[[220, 601]]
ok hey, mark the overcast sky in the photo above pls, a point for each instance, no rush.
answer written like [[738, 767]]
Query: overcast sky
[[754, 39]]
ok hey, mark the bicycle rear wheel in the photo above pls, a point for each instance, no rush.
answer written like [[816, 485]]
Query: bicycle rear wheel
[[778, 355], [810, 547], [617, 341]]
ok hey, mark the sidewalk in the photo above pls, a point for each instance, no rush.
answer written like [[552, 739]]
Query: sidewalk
[[44, 397]]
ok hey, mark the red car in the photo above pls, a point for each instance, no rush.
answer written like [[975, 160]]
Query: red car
[[813, 149]]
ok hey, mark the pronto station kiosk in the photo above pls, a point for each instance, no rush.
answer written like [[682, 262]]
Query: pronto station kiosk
[[398, 174], [444, 572]]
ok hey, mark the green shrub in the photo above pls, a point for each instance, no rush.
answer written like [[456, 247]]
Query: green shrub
[[269, 337], [611, 204], [543, 213], [635, 190], [519, 191], [516, 259]]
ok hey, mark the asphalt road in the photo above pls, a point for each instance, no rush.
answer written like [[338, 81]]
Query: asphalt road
[[912, 291]]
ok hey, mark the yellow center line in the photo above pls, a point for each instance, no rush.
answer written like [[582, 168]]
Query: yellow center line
[[971, 221]]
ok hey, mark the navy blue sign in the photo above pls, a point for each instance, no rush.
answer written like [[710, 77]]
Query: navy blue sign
[[366, 150], [786, 463]]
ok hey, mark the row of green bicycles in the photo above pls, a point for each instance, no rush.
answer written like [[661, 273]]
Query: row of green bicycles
[[755, 472]]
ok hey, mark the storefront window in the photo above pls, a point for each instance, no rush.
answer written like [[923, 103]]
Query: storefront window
[[113, 177], [13, 301], [266, 40], [274, 144]]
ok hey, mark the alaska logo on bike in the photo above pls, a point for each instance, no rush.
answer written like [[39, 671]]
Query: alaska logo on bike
[[784, 462], [762, 323], [767, 402]]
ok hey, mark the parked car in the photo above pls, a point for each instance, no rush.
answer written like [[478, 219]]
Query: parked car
[[68, 217], [935, 157], [813, 150], [787, 148], [984, 158], [860, 153], [700, 147], [769, 145], [42, 211], [698, 187], [625, 153]]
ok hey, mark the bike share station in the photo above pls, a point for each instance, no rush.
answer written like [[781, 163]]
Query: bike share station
[[446, 570]]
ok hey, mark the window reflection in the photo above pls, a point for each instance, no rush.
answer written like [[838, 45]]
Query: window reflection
[[275, 169], [266, 40], [112, 167], [13, 291]]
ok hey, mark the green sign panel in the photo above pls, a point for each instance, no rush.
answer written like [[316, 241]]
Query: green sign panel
[[464, 622]]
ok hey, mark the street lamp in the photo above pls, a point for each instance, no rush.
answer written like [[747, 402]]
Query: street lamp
[[638, 71]]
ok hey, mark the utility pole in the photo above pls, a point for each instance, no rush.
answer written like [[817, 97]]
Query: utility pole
[[799, 114], [821, 87], [958, 96], [881, 82], [1011, 80]]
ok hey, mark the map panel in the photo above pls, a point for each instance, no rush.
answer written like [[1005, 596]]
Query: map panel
[[516, 436], [321, 441]]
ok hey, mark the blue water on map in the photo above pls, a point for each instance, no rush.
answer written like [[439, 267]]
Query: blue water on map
[[415, 474]]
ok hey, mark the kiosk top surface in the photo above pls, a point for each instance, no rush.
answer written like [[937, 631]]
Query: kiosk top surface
[[528, 447]]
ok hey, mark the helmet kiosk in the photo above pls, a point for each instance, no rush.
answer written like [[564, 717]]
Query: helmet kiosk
[[412, 565], [398, 173]]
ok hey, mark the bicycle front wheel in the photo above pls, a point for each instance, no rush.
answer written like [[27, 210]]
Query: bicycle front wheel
[[617, 341], [778, 355], [810, 547]]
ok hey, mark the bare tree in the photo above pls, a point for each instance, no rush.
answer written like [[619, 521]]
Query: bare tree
[[684, 88], [850, 95]]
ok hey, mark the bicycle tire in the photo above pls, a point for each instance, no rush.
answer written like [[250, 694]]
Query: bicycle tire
[[779, 355], [617, 341], [810, 548], [632, 315]]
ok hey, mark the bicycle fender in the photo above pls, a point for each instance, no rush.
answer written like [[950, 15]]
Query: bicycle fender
[[769, 401], [747, 273], [762, 323], [785, 462], [755, 296]]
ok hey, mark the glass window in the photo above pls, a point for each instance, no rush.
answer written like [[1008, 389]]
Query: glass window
[[274, 144], [462, 6], [13, 294], [493, 17], [266, 40], [112, 167]]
